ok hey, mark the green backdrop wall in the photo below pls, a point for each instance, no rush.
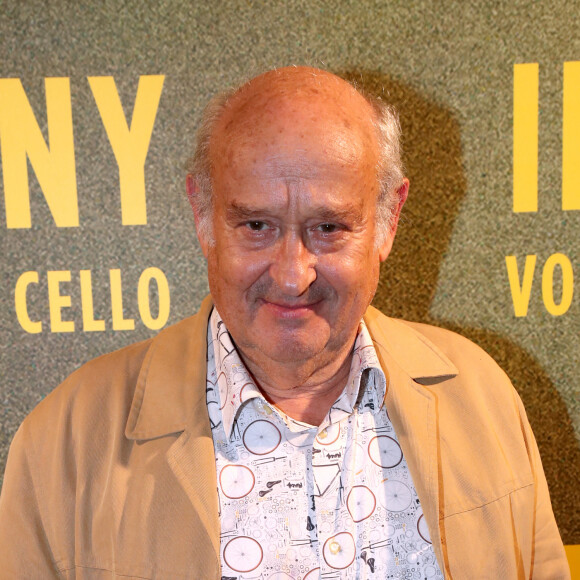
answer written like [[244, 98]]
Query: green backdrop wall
[[99, 102]]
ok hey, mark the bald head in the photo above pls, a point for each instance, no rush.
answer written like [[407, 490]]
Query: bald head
[[302, 110], [297, 80], [295, 90]]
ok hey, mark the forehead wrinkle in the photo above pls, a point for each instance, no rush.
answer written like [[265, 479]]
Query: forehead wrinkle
[[279, 166], [348, 144]]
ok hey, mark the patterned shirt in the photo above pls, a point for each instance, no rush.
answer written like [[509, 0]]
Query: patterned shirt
[[302, 502]]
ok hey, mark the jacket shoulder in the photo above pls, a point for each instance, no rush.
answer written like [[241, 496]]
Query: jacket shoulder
[[107, 380], [455, 346], [101, 391], [425, 350]]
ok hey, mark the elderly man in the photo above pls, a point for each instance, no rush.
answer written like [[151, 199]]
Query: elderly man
[[287, 430]]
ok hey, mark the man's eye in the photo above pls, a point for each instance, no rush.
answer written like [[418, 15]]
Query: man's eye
[[257, 226], [327, 228]]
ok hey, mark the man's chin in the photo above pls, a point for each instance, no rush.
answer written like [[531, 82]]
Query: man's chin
[[293, 344]]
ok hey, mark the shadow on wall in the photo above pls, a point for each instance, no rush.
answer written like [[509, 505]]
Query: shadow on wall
[[433, 161]]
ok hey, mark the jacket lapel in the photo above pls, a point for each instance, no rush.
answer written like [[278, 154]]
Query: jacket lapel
[[170, 398], [410, 364], [192, 460]]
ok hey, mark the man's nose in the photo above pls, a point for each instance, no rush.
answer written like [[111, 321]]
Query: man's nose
[[293, 266]]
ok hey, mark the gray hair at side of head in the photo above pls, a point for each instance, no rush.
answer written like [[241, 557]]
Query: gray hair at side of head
[[390, 169], [199, 165]]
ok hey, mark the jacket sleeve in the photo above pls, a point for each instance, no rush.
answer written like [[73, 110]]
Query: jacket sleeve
[[548, 556], [25, 551]]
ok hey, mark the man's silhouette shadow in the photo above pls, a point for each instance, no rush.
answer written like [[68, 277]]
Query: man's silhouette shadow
[[433, 162]]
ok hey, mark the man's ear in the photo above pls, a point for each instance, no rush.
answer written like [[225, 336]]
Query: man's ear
[[386, 246], [192, 189]]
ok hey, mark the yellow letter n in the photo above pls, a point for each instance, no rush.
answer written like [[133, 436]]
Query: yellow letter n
[[54, 165]]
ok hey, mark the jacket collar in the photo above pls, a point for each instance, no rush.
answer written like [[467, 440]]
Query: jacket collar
[[170, 392], [417, 356], [412, 365]]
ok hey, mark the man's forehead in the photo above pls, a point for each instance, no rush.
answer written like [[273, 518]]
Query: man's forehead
[[276, 165], [300, 163]]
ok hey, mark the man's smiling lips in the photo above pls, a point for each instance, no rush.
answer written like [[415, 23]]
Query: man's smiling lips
[[289, 310]]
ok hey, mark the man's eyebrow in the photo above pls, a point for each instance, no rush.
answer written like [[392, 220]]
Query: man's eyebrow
[[239, 211], [351, 211]]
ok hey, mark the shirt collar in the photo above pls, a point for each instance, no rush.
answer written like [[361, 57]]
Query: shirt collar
[[235, 385], [366, 384]]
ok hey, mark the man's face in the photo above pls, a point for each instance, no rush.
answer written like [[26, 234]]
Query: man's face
[[294, 264]]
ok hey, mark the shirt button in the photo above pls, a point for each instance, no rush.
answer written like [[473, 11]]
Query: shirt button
[[323, 435], [267, 410], [334, 547]]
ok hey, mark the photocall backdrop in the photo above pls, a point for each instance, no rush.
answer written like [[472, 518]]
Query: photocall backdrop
[[99, 103]]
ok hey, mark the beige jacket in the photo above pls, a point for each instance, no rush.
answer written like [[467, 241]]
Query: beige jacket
[[113, 474]]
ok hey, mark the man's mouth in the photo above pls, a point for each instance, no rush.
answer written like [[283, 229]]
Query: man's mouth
[[289, 310]]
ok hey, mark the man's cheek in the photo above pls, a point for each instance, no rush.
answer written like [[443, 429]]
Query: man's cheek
[[340, 270], [243, 272]]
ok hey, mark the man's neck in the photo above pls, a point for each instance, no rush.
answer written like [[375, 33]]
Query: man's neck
[[304, 391]]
